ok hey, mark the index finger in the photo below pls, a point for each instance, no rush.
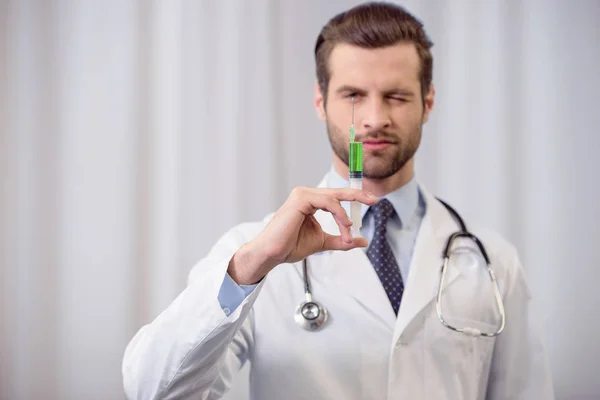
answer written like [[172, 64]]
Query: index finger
[[347, 194]]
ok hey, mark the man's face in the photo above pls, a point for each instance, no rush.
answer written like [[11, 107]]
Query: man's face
[[388, 105]]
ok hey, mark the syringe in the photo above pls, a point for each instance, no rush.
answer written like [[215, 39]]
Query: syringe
[[355, 168]]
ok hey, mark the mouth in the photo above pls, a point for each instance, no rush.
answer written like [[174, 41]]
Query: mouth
[[377, 144]]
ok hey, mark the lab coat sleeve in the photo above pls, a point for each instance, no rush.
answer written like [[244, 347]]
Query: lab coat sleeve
[[520, 368], [193, 348]]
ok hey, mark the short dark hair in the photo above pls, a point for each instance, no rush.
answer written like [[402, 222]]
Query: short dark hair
[[373, 25]]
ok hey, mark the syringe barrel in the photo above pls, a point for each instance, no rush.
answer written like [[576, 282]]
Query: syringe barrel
[[355, 159]]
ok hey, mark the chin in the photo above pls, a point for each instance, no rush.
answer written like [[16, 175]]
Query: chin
[[377, 176], [379, 173], [382, 171], [377, 166]]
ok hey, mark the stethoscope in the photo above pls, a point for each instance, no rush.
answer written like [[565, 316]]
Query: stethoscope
[[312, 316]]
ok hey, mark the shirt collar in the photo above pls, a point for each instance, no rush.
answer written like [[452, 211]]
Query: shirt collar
[[405, 199]]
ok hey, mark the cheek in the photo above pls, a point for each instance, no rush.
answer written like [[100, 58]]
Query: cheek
[[336, 131], [409, 115], [338, 119], [336, 111]]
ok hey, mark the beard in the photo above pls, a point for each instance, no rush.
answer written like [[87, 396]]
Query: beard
[[378, 164]]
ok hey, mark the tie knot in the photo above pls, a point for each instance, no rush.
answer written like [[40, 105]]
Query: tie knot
[[382, 211]]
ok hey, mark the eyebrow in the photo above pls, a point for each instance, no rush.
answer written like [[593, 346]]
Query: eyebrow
[[353, 89], [400, 91], [349, 88]]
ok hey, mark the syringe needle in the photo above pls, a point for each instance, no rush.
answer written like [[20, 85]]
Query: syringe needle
[[352, 125]]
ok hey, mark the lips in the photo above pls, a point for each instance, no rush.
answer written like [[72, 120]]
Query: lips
[[377, 144]]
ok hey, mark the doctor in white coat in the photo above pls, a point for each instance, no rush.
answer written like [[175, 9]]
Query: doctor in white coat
[[382, 338]]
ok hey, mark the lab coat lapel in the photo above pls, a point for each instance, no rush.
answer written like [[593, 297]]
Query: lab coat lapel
[[352, 272], [423, 279]]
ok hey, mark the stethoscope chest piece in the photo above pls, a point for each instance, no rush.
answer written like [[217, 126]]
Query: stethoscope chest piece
[[310, 315]]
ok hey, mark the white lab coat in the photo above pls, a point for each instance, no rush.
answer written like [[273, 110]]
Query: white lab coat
[[192, 349]]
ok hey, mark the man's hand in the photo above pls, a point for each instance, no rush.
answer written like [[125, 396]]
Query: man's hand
[[294, 234]]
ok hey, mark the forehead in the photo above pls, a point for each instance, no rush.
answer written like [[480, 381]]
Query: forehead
[[394, 65]]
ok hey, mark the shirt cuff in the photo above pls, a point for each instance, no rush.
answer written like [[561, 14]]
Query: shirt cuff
[[232, 295]]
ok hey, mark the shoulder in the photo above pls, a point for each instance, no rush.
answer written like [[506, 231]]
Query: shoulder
[[503, 254], [504, 257], [497, 246]]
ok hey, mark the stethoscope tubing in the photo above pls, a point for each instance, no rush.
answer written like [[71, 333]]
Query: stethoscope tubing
[[311, 315]]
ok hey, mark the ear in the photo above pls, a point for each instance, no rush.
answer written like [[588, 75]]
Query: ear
[[429, 101], [320, 103]]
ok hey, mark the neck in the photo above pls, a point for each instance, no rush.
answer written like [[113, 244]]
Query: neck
[[380, 187]]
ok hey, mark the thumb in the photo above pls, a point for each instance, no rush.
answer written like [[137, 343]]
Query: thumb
[[333, 242]]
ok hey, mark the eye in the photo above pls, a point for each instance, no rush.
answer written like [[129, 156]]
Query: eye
[[398, 99]]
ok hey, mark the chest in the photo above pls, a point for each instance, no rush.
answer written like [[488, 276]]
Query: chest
[[356, 354], [348, 358]]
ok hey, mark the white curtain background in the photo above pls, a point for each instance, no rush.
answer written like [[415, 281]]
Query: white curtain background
[[134, 134]]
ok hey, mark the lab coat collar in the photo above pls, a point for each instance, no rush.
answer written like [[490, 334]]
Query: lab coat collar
[[351, 271]]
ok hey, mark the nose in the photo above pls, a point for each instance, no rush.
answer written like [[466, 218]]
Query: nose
[[375, 116]]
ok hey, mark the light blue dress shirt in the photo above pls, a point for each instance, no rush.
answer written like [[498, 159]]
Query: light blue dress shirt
[[401, 234]]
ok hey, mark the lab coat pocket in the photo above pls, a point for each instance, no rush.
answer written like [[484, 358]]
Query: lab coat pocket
[[456, 364]]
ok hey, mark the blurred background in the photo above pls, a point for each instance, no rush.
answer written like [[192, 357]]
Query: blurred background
[[134, 133]]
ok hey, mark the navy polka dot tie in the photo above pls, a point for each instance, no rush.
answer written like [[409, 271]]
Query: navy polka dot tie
[[381, 256]]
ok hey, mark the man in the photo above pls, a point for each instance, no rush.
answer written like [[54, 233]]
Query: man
[[383, 338]]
